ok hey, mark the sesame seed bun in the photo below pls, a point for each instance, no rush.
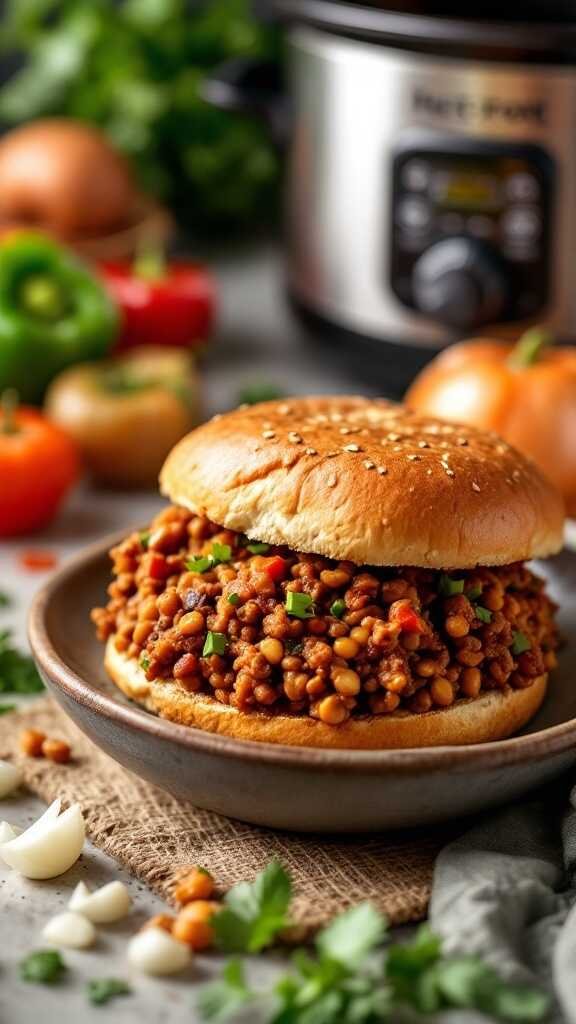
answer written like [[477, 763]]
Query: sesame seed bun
[[493, 715], [367, 481]]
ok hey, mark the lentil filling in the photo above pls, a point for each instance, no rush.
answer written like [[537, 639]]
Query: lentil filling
[[265, 628]]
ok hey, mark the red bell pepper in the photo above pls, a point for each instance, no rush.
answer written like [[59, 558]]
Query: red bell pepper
[[407, 618], [161, 304], [276, 568]]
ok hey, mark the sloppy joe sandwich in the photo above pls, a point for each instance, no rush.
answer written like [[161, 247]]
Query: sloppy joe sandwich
[[339, 572]]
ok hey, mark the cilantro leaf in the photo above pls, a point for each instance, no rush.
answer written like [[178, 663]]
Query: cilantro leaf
[[220, 999], [44, 967], [352, 935], [102, 990], [254, 913], [18, 673]]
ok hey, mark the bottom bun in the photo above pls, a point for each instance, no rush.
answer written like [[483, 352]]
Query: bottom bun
[[493, 715]]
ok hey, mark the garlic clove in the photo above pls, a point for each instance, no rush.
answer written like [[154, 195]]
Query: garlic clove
[[50, 846], [104, 905], [154, 951], [69, 929], [10, 778], [8, 832]]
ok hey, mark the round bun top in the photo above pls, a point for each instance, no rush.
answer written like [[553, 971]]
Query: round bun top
[[368, 481]]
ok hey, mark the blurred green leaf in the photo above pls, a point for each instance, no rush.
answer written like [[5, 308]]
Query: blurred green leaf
[[136, 68]]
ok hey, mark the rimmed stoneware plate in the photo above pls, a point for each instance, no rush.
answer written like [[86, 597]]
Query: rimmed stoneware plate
[[288, 787]]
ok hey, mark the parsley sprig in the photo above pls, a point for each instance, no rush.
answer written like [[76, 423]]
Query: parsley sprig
[[351, 977], [102, 990], [43, 967], [18, 672]]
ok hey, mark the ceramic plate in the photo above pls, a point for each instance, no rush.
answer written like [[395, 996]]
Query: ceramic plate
[[292, 787]]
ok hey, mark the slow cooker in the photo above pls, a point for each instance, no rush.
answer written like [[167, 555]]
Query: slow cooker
[[432, 170]]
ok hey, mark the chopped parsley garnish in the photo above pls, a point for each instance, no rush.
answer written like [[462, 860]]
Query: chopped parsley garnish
[[18, 673], [102, 990], [215, 643], [301, 606], [257, 548], [144, 538], [221, 553], [449, 587], [44, 967], [473, 592], [520, 642], [254, 912], [482, 613], [338, 607], [199, 564], [234, 599], [144, 661], [351, 975]]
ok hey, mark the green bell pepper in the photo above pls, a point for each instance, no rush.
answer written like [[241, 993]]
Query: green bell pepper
[[53, 312]]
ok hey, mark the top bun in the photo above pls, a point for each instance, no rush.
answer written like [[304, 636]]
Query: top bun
[[368, 481]]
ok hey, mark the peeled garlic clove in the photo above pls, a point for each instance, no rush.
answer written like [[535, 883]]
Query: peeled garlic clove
[[8, 832], [154, 951], [50, 846], [10, 778], [69, 929], [104, 905]]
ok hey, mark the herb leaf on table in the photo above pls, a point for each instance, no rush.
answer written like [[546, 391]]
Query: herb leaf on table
[[351, 977], [254, 912], [43, 967], [102, 990], [18, 673]]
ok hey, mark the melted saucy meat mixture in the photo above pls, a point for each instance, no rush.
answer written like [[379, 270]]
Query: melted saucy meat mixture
[[266, 628]]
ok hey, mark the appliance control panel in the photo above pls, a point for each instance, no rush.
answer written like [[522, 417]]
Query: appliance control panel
[[470, 229]]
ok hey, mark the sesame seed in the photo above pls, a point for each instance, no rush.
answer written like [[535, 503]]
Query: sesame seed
[[509, 481], [413, 458], [332, 480], [268, 435], [382, 470], [462, 441], [393, 437], [449, 472], [475, 487], [516, 475], [216, 417], [295, 438], [331, 455], [428, 472], [397, 448], [351, 448], [368, 464], [423, 444], [344, 430], [284, 410], [257, 447], [310, 451]]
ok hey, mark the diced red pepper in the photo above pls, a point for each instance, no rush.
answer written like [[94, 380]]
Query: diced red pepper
[[156, 566], [409, 621], [38, 561], [276, 568]]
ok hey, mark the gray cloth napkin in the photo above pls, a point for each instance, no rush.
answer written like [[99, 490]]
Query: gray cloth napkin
[[506, 891]]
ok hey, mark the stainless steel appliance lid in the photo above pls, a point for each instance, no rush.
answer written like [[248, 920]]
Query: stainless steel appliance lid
[[544, 32]]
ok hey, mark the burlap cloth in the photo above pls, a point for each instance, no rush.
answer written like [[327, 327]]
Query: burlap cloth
[[156, 836]]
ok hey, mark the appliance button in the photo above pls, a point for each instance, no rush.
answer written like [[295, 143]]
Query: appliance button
[[413, 214], [521, 224], [522, 187], [415, 175]]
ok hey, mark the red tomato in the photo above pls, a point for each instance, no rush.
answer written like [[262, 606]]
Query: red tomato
[[403, 613], [38, 465]]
